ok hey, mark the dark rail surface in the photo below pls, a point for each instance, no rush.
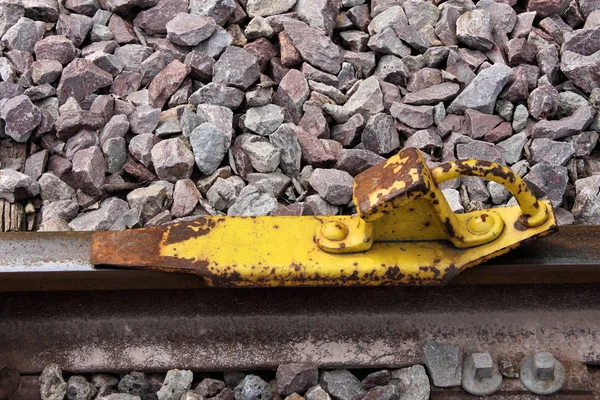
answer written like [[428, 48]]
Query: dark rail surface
[[60, 261]]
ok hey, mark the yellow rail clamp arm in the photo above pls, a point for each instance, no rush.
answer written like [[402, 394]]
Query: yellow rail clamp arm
[[404, 233]]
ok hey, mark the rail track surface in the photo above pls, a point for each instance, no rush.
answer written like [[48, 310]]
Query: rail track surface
[[57, 307]]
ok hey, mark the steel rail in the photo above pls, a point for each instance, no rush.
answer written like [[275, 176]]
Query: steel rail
[[60, 261]]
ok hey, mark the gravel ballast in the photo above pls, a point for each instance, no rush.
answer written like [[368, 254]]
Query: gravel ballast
[[136, 113]]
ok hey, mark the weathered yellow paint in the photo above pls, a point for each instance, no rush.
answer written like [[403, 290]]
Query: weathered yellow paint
[[405, 233]]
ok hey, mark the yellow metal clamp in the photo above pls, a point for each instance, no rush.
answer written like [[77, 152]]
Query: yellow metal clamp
[[405, 233]]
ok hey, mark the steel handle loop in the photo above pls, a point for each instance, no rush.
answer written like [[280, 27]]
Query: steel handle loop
[[534, 212]]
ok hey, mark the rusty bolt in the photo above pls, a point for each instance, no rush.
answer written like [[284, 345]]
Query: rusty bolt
[[480, 376], [542, 374], [483, 364]]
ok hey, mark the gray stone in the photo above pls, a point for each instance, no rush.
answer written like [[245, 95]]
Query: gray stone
[[42, 92], [134, 383], [503, 15], [285, 140], [81, 78], [569, 102], [189, 29], [172, 160], [79, 389], [237, 68], [209, 145], [221, 117], [392, 69], [498, 193], [64, 210], [512, 148], [385, 392], [223, 193], [264, 120], [16, 186], [550, 152], [256, 199], [218, 94], [433, 94], [52, 384], [586, 209], [584, 143], [474, 28], [150, 201], [75, 27], [23, 35], [568, 126], [185, 199], [583, 71], [140, 147], [377, 378], [89, 168], [296, 378], [418, 117], [478, 150], [102, 218], [335, 186], [219, 10], [355, 161], [426, 140], [411, 36], [548, 180], [175, 384], [543, 102], [155, 20], [263, 156], [258, 27], [388, 42], [45, 71], [35, 164], [120, 396], [387, 18], [117, 126], [209, 387], [106, 62], [482, 92], [216, 44], [380, 135], [316, 48], [315, 205], [72, 121], [201, 65], [320, 14], [292, 93], [144, 119], [520, 117], [132, 56], [41, 10], [444, 363], [341, 384], [10, 13], [367, 100], [53, 189], [115, 152], [265, 8], [453, 198], [21, 117], [81, 140], [316, 392]]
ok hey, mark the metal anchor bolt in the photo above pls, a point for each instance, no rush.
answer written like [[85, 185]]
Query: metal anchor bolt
[[542, 374], [480, 375], [334, 231]]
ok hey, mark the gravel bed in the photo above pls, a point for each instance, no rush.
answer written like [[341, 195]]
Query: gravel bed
[[121, 114], [296, 381]]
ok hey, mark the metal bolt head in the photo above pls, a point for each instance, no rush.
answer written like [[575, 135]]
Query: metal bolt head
[[544, 364], [483, 364], [481, 224], [334, 231]]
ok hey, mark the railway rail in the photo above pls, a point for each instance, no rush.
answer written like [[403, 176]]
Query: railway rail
[[56, 306]]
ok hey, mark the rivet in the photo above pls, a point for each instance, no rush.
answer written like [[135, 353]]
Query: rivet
[[481, 224], [334, 231]]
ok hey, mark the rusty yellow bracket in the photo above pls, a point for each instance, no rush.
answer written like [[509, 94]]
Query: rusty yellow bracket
[[405, 233]]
